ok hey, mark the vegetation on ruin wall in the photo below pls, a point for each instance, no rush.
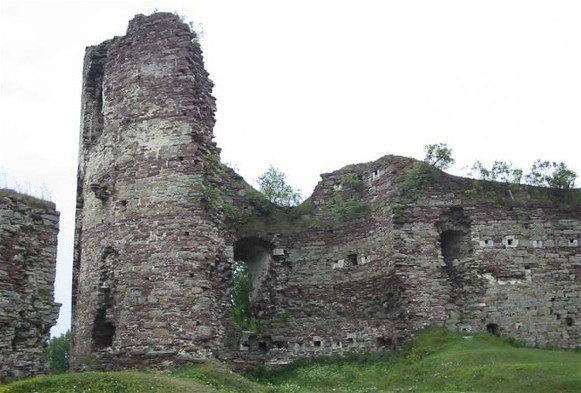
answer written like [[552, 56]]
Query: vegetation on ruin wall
[[277, 206], [42, 202], [546, 182], [241, 310], [436, 361]]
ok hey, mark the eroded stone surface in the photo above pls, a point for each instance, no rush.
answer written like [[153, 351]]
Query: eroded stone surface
[[28, 243], [360, 266]]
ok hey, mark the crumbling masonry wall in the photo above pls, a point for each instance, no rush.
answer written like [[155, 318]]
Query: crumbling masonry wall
[[510, 267], [147, 281], [365, 262], [28, 244]]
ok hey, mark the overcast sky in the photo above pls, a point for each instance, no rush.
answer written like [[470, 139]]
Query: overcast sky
[[309, 86]]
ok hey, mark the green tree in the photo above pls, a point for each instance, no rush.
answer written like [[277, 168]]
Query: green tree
[[555, 175], [58, 353], [501, 171], [240, 297], [274, 186], [439, 155]]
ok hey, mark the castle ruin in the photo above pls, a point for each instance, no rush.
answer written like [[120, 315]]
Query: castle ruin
[[360, 266], [28, 245]]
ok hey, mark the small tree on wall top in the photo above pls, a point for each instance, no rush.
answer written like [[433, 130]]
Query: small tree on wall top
[[501, 171], [439, 155], [554, 175], [274, 186]]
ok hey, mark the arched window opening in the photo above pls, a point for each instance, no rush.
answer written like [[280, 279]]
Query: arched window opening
[[455, 246], [252, 258]]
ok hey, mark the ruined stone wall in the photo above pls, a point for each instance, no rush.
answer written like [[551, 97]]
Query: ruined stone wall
[[448, 253], [148, 285], [505, 265], [28, 244], [370, 258], [331, 286]]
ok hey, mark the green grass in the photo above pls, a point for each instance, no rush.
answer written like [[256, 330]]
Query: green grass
[[219, 377], [439, 361], [96, 382], [436, 361]]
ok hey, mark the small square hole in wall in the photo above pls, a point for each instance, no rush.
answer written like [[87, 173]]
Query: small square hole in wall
[[299, 346], [338, 264], [493, 328], [317, 343], [279, 344], [487, 243], [263, 346], [569, 321], [510, 242], [352, 259]]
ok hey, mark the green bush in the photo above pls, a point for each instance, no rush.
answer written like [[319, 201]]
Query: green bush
[[58, 353], [273, 185], [240, 298], [231, 213], [353, 181]]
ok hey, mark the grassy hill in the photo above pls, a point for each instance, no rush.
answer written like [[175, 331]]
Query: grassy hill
[[436, 361]]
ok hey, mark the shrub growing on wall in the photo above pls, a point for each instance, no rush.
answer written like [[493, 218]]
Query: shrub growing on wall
[[274, 186]]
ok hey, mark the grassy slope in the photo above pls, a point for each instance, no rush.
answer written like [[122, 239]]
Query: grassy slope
[[93, 382], [437, 361]]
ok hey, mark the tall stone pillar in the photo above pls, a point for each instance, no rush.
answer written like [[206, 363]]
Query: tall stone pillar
[[148, 286]]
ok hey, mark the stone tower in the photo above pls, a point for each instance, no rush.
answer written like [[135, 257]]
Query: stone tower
[[147, 251]]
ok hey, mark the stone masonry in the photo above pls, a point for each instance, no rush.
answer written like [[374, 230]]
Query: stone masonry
[[149, 269], [28, 244], [365, 262]]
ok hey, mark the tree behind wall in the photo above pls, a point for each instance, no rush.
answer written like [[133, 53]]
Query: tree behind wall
[[240, 298], [274, 186], [58, 353]]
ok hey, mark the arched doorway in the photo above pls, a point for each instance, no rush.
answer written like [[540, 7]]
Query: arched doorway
[[252, 257], [256, 254]]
